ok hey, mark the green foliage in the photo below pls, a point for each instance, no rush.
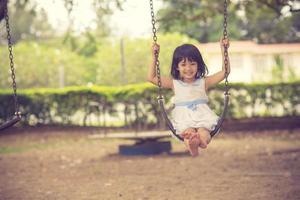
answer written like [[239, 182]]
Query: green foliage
[[86, 45], [30, 21], [137, 58], [135, 105], [202, 20], [266, 21], [278, 70], [87, 61], [40, 65], [281, 73], [103, 9], [27, 22], [267, 26]]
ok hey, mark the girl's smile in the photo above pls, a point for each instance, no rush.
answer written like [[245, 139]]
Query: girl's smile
[[187, 70]]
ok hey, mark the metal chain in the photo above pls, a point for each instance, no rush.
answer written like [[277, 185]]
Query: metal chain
[[225, 36], [12, 68], [157, 63], [69, 6]]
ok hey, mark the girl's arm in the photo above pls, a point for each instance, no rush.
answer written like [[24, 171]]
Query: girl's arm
[[166, 82], [219, 76]]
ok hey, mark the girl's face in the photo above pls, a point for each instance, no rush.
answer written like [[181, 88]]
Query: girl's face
[[187, 70]]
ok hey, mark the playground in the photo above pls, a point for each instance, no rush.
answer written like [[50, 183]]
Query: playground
[[69, 164], [105, 110]]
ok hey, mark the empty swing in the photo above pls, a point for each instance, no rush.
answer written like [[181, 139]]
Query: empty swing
[[160, 97], [17, 115]]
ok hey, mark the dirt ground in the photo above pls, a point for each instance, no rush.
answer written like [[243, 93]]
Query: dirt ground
[[70, 165]]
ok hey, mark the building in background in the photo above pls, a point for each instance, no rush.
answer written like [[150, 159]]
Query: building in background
[[251, 62]]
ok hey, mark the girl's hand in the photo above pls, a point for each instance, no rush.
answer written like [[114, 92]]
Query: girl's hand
[[155, 49], [224, 42]]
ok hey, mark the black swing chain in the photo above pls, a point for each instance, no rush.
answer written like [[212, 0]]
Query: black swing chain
[[225, 36], [69, 6], [156, 53], [11, 62]]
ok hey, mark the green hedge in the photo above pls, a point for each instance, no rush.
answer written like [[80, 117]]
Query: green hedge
[[135, 106]]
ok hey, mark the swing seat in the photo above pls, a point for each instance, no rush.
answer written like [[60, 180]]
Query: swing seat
[[222, 117], [16, 118], [160, 100], [171, 127]]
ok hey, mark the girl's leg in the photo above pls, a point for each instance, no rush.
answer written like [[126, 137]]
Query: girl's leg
[[204, 137], [191, 141]]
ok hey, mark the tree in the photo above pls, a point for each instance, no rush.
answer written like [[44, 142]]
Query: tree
[[267, 21], [278, 5], [32, 24], [86, 43], [103, 10], [41, 64], [202, 20]]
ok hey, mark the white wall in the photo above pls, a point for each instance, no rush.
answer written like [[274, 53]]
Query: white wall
[[251, 62]]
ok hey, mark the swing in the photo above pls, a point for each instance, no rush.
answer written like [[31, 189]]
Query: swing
[[160, 97], [17, 115]]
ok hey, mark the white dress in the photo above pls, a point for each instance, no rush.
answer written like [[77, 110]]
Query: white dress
[[191, 109]]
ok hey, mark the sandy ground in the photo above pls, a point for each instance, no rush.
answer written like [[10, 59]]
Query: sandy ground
[[59, 165]]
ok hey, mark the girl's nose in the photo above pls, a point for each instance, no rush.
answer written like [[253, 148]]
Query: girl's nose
[[189, 66]]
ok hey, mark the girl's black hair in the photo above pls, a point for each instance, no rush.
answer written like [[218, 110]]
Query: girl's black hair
[[191, 53]]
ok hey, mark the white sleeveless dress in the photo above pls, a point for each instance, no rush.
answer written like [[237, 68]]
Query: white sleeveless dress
[[191, 109]]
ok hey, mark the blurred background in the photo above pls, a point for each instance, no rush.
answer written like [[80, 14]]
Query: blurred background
[[85, 62]]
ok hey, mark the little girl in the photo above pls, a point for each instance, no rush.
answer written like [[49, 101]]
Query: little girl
[[192, 118]]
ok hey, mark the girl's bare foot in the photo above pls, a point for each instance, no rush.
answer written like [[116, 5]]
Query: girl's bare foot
[[204, 138], [194, 143], [191, 140], [187, 133]]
